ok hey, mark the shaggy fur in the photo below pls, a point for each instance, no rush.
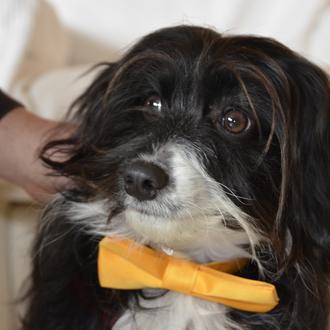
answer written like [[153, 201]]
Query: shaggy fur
[[241, 127]]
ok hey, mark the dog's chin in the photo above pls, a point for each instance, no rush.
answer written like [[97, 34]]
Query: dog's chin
[[160, 229], [197, 237]]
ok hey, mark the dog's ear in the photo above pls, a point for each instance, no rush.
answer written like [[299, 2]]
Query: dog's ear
[[65, 156], [304, 213], [93, 97]]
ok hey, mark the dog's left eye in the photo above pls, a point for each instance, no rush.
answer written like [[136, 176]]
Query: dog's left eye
[[154, 102]]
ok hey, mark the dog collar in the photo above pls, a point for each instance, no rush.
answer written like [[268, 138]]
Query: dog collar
[[126, 265]]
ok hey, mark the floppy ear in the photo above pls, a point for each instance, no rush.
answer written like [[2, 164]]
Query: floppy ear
[[84, 111], [92, 97], [305, 197]]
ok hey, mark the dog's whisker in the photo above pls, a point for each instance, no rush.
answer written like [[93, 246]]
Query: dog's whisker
[[230, 192]]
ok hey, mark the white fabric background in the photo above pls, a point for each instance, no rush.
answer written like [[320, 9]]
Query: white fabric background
[[301, 24]]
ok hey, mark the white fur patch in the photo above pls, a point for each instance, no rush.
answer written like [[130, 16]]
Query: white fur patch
[[179, 312]]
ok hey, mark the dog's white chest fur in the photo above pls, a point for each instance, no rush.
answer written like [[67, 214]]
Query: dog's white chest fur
[[176, 312]]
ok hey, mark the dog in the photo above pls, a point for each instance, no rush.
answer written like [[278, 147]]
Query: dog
[[201, 145]]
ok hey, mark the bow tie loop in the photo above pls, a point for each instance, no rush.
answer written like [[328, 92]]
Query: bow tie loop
[[123, 264]]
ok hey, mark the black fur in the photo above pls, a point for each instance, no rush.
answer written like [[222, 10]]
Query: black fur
[[281, 164]]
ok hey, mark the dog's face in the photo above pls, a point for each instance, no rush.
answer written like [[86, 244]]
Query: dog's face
[[198, 140]]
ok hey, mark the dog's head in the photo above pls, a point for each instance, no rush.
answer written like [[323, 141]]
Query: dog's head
[[197, 140]]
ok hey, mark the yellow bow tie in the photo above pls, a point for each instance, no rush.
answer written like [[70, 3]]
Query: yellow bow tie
[[123, 264]]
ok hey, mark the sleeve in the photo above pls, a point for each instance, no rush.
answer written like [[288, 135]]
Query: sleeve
[[7, 104]]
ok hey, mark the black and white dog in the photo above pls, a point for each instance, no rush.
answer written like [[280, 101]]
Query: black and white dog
[[205, 146]]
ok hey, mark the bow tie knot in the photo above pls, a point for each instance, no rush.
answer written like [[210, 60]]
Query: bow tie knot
[[175, 275]]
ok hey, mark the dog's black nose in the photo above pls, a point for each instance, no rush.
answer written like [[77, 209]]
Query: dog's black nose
[[144, 179]]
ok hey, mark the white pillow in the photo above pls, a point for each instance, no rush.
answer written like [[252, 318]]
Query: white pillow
[[52, 93]]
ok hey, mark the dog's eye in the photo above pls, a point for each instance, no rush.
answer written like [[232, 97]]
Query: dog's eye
[[235, 121], [154, 102]]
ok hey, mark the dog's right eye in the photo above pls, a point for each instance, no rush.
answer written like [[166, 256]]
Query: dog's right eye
[[235, 121], [154, 102]]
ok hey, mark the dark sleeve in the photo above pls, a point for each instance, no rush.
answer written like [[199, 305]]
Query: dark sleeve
[[7, 104]]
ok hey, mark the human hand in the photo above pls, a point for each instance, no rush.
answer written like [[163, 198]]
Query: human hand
[[22, 134]]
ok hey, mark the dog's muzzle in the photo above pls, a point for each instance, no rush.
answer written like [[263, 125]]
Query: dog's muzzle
[[143, 180]]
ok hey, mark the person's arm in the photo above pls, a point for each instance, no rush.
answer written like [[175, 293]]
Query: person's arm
[[21, 135]]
